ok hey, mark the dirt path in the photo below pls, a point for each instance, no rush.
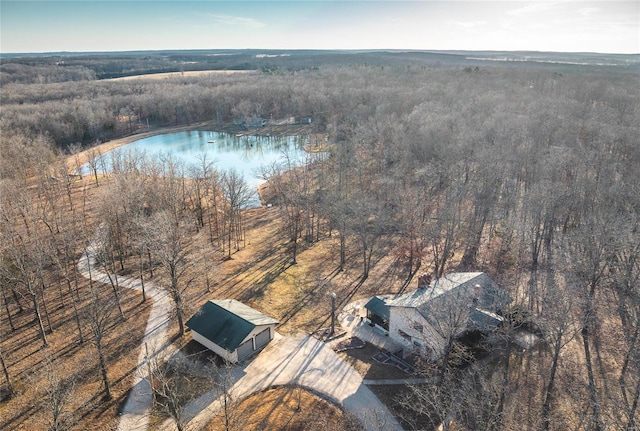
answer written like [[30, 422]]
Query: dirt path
[[136, 410]]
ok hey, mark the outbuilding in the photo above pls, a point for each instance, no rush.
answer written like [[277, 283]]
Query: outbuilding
[[231, 329]]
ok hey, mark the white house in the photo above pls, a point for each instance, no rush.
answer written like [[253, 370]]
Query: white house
[[423, 319], [231, 329]]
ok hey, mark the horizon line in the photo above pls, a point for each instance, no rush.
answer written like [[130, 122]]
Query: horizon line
[[68, 52]]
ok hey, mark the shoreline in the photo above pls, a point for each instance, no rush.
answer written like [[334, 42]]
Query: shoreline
[[74, 161], [317, 142]]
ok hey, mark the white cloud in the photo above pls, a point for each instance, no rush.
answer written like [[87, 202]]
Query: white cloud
[[237, 20]]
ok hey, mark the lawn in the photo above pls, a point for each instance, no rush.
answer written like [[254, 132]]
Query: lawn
[[287, 408]]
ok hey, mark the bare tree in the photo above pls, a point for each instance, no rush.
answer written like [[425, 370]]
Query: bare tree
[[74, 150], [560, 326], [237, 194], [58, 393], [589, 248], [427, 404], [23, 269], [102, 251], [450, 319], [99, 316], [231, 416], [64, 252], [95, 158], [170, 243], [369, 221], [168, 394], [413, 220], [443, 229], [626, 282], [201, 175], [7, 378], [292, 188], [339, 199]]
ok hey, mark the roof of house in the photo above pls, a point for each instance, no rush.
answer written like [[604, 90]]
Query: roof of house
[[468, 282], [440, 286], [378, 307], [227, 322], [473, 293]]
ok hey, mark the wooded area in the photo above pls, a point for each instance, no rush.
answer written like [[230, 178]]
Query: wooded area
[[527, 173]]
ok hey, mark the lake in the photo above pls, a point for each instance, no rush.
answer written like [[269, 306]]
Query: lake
[[247, 154]]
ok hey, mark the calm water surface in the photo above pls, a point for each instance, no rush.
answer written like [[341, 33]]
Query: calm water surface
[[246, 154]]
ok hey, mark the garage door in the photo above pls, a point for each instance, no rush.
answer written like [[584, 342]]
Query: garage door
[[262, 339], [245, 349]]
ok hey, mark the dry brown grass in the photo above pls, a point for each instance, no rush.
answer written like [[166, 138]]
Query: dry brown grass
[[361, 360], [32, 367], [284, 409], [262, 276], [72, 362]]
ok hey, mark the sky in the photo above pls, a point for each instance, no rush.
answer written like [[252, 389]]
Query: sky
[[508, 25]]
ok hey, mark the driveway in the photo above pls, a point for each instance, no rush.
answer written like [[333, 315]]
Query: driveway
[[304, 361]]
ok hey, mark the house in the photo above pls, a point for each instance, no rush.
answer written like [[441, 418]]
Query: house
[[231, 329], [281, 122], [424, 319], [255, 122], [303, 120]]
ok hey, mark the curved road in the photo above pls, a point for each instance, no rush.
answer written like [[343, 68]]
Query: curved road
[[301, 360], [135, 413]]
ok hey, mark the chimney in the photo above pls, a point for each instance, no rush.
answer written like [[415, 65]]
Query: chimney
[[424, 281]]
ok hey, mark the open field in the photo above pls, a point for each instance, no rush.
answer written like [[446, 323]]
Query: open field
[[185, 74]]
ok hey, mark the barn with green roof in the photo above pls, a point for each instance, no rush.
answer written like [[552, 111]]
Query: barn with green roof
[[231, 329]]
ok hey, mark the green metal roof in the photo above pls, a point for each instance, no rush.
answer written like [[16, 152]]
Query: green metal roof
[[378, 307], [227, 322]]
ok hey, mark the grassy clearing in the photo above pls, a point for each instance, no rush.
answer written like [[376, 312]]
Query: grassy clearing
[[287, 408], [185, 74]]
